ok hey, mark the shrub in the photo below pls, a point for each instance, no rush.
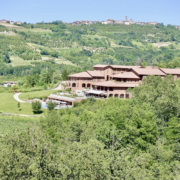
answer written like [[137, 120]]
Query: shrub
[[76, 104], [68, 90], [51, 105], [45, 86], [41, 83], [20, 83], [36, 106]]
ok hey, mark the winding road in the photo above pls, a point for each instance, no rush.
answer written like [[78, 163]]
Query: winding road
[[16, 97]]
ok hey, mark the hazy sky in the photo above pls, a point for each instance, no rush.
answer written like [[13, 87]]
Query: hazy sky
[[166, 11]]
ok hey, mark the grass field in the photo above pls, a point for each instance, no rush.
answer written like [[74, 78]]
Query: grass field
[[64, 61], [9, 105], [36, 30], [9, 124], [162, 44], [26, 96], [17, 61], [12, 26]]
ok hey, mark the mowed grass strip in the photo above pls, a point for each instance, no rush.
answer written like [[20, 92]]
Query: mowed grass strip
[[36, 94]]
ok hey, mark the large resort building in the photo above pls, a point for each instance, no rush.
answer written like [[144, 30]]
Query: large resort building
[[106, 81], [113, 80]]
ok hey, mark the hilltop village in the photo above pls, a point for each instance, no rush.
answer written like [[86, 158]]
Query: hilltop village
[[107, 22], [112, 21], [10, 22]]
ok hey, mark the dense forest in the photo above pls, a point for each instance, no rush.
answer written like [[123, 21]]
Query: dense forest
[[137, 138]]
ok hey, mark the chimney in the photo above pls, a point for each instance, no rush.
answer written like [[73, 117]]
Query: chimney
[[125, 18]]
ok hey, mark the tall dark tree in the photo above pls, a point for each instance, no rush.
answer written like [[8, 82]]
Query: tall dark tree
[[65, 75]]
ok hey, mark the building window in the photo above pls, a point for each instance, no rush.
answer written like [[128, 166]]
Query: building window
[[122, 96], [116, 95]]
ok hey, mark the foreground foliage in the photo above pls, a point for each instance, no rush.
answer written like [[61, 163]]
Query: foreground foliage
[[105, 139]]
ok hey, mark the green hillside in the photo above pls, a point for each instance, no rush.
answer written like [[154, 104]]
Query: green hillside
[[29, 49], [136, 138]]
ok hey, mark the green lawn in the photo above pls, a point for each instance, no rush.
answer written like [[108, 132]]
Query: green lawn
[[9, 105], [17, 61], [26, 96]]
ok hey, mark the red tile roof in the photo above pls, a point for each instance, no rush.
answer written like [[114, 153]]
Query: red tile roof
[[125, 67], [101, 65], [144, 71], [113, 84], [130, 75], [82, 74], [170, 71], [95, 73], [116, 66], [150, 67]]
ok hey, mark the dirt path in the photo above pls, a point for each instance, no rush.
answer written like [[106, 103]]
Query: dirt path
[[16, 97], [59, 87]]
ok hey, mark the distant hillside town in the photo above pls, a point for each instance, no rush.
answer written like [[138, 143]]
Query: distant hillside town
[[10, 22], [108, 22], [112, 21]]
